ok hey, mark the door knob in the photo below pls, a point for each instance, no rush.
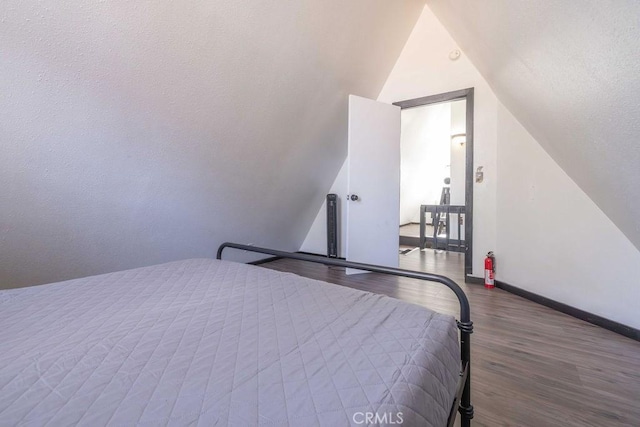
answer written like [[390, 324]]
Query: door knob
[[354, 197]]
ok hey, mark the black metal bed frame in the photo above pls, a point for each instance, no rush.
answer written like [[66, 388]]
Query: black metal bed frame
[[462, 400]]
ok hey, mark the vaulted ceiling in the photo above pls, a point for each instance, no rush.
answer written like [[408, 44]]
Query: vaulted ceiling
[[140, 132], [137, 132], [568, 71]]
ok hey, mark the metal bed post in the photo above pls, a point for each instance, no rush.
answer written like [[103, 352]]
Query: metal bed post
[[462, 399], [465, 407]]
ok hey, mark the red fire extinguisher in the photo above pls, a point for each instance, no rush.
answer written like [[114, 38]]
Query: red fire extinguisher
[[489, 271]]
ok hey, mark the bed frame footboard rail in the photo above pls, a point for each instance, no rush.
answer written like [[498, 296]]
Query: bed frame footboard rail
[[465, 325]]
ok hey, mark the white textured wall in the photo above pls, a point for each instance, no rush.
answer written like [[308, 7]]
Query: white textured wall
[[553, 240], [568, 70], [133, 133], [424, 69], [425, 157]]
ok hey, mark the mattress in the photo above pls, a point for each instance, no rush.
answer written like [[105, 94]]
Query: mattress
[[204, 342]]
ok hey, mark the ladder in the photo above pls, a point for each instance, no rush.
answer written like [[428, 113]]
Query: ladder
[[439, 221]]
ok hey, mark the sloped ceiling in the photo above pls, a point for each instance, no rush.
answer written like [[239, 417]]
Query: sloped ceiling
[[568, 71], [138, 132]]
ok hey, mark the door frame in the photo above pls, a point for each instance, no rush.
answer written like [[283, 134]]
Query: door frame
[[466, 94]]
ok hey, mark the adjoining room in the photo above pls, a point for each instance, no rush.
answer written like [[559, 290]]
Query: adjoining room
[[432, 179]]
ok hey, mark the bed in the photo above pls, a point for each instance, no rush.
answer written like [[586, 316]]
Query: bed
[[210, 342]]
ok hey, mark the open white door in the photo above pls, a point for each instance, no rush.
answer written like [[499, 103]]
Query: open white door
[[373, 205]]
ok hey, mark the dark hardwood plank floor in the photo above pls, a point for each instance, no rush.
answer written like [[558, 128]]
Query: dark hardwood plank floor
[[532, 366]]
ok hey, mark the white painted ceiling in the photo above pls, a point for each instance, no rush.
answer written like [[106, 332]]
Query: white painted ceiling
[[569, 71], [139, 132]]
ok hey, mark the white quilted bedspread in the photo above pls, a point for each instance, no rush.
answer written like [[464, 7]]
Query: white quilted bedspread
[[205, 342]]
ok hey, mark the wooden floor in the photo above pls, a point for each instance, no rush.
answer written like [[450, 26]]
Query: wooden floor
[[531, 366]]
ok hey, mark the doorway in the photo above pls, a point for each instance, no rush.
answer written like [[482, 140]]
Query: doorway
[[436, 182]]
